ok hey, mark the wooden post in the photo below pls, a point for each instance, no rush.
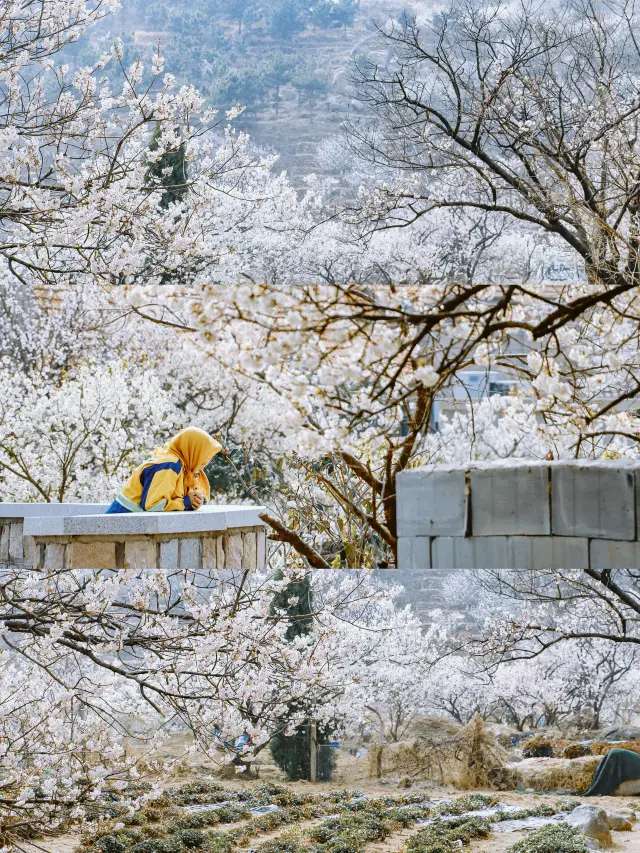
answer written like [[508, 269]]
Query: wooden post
[[314, 753]]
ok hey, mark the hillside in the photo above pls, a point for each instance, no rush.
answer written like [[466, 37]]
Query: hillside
[[285, 60]]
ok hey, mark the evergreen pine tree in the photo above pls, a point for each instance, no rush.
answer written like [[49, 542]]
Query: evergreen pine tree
[[170, 171], [293, 753]]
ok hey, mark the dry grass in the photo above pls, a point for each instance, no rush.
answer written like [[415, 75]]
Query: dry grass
[[481, 758]]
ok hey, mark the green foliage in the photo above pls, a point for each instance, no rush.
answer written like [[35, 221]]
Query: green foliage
[[446, 836], [555, 838], [110, 844], [287, 18], [192, 838], [310, 80], [292, 753], [169, 171], [470, 803], [327, 13], [238, 473]]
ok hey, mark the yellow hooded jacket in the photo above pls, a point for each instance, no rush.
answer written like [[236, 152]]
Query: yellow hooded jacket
[[163, 482]]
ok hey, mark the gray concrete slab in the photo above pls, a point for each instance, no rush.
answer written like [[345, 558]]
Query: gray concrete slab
[[513, 501], [597, 501], [614, 555], [431, 502], [548, 552], [414, 552], [481, 552]]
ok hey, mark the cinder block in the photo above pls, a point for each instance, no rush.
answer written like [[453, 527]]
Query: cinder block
[[431, 502], [209, 552], [91, 555], [614, 555], [511, 501], [233, 552], [140, 555], [414, 552], [54, 557], [169, 554], [596, 501], [249, 550], [16, 543], [547, 552], [482, 552], [190, 553], [261, 545]]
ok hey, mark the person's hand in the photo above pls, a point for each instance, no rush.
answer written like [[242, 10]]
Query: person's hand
[[197, 498]]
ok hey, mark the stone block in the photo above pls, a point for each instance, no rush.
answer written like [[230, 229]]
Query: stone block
[[16, 543], [209, 552], [4, 543], [190, 553], [91, 555], [54, 557], [29, 550], [169, 554], [511, 501], [432, 502], [414, 552], [220, 555], [482, 552], [614, 555], [261, 545], [597, 501], [249, 550], [140, 554], [233, 551], [548, 552]]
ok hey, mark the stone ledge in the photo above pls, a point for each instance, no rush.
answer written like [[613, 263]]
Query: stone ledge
[[205, 520], [48, 510]]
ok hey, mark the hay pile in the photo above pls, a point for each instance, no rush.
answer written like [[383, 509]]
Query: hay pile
[[543, 746], [602, 748], [557, 775], [482, 759], [418, 758]]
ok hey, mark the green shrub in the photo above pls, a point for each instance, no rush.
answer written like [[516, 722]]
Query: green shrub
[[470, 803], [555, 838], [432, 839], [110, 844], [281, 845], [191, 838], [153, 815]]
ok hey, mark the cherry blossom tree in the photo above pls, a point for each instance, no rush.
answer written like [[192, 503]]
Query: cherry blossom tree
[[91, 657], [359, 369], [79, 439]]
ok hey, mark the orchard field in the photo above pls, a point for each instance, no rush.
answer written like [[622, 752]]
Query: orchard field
[[274, 818]]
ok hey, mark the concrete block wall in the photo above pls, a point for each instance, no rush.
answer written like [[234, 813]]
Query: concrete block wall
[[520, 514]]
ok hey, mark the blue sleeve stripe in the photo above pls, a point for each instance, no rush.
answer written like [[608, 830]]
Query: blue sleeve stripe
[[187, 502], [149, 473]]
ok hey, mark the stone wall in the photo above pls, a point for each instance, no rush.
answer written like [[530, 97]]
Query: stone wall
[[60, 536], [235, 549], [520, 515]]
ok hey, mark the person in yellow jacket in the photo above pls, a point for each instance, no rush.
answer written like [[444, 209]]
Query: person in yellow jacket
[[173, 479]]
